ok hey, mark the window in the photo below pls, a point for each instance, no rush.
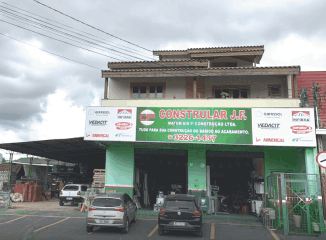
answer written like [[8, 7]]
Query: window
[[231, 91], [180, 204], [106, 202], [147, 90], [70, 187], [224, 64], [274, 90]]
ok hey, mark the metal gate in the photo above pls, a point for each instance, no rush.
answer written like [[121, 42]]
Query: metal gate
[[296, 197]]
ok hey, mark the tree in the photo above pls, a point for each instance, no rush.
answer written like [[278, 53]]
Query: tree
[[3, 160]]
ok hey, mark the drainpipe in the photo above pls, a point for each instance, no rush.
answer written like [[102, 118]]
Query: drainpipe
[[289, 80]]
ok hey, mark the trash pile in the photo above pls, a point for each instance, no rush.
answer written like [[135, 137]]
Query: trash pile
[[4, 200], [17, 197]]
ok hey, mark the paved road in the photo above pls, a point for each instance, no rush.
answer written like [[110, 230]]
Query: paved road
[[49, 226]]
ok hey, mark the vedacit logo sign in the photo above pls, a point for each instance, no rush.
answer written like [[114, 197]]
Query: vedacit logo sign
[[97, 123], [269, 125]]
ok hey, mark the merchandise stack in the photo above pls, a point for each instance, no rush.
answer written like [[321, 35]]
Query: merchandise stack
[[98, 178]]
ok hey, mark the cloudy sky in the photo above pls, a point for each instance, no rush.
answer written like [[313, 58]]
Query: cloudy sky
[[43, 96]]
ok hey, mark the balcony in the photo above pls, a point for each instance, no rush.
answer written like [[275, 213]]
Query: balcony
[[232, 103]]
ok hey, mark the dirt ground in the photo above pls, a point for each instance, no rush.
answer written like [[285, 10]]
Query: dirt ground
[[50, 205]]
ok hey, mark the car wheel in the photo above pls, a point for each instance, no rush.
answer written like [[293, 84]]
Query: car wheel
[[89, 229], [200, 233], [125, 230], [160, 231], [61, 203]]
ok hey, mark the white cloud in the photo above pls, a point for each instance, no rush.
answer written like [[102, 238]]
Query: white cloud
[[308, 52]]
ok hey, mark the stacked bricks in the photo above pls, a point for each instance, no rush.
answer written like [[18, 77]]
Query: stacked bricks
[[31, 192]]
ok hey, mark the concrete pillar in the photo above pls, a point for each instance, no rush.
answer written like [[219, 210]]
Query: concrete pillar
[[289, 80], [106, 88], [119, 169], [197, 170]]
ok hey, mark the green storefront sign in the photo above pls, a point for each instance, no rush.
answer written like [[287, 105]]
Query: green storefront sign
[[194, 125]]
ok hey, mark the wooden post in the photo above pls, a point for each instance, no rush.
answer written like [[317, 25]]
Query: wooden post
[[106, 88], [195, 88], [289, 79], [295, 83]]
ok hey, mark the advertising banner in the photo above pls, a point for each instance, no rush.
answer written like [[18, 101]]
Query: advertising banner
[[194, 125], [110, 123], [284, 127]]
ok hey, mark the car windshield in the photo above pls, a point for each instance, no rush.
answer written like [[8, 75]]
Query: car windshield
[[72, 188], [106, 202], [180, 204]]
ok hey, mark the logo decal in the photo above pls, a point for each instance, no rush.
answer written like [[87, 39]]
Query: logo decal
[[301, 129], [269, 125], [100, 135], [123, 135], [300, 116], [97, 123], [302, 140], [124, 113], [123, 125], [147, 117], [88, 134]]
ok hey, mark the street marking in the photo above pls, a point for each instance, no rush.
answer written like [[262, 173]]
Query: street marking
[[273, 234], [95, 229], [37, 216], [241, 224], [12, 220], [52, 224], [153, 231], [212, 231]]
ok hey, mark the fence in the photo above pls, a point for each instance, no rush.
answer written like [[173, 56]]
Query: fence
[[296, 199], [4, 200]]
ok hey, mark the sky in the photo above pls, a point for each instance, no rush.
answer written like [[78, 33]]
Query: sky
[[43, 96]]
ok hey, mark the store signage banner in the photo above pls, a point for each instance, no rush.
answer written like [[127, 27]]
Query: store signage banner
[[194, 125], [111, 123], [284, 127]]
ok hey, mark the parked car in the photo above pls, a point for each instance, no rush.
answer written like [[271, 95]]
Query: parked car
[[181, 212], [72, 193], [111, 210]]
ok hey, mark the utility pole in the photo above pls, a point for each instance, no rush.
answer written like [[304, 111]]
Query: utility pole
[[11, 154]]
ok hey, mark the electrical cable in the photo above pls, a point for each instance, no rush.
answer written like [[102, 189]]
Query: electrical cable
[[64, 37], [69, 27], [19, 16], [90, 25], [49, 52], [61, 41], [55, 30]]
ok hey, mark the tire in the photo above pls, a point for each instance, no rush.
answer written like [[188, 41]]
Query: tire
[[61, 203], [200, 233], [125, 230], [160, 231], [89, 229]]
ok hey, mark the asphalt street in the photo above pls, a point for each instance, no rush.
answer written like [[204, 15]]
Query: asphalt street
[[47, 226]]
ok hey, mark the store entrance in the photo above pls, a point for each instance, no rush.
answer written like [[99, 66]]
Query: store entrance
[[236, 175], [158, 170]]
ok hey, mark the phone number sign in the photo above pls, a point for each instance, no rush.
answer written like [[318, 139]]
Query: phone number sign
[[194, 125]]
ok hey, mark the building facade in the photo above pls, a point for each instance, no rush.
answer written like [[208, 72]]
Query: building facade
[[202, 118]]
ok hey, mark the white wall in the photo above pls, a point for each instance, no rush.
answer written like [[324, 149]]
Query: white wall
[[120, 87]]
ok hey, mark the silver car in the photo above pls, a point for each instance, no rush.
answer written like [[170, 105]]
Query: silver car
[[111, 210]]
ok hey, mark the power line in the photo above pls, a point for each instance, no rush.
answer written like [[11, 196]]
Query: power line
[[70, 27], [19, 15], [61, 41], [90, 25], [49, 52], [63, 34]]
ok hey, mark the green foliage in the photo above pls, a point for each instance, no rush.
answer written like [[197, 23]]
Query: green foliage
[[3, 160]]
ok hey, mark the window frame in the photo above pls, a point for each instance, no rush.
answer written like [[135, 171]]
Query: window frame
[[270, 95], [147, 85], [237, 87]]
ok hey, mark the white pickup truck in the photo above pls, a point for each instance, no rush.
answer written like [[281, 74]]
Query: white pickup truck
[[72, 193]]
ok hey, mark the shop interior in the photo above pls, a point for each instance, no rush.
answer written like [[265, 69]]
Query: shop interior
[[237, 180], [159, 172]]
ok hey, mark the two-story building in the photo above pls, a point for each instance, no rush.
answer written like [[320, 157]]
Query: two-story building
[[201, 117]]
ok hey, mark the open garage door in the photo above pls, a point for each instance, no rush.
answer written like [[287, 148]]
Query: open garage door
[[160, 170]]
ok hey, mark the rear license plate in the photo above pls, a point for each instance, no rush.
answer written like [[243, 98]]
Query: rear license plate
[[69, 198], [106, 221], [179, 224]]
